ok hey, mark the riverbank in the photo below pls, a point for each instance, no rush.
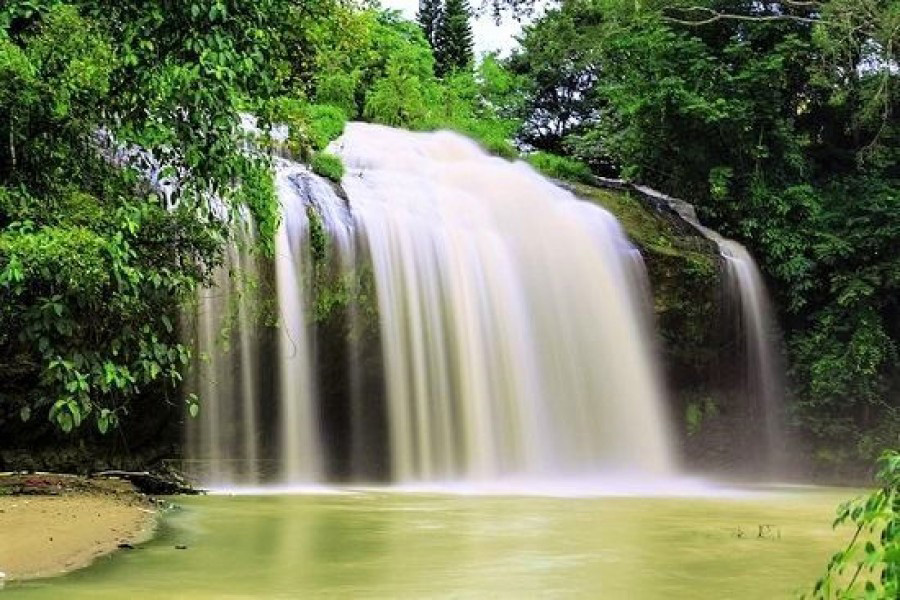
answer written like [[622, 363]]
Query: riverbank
[[52, 524]]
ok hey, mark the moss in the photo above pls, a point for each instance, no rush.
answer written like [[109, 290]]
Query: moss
[[651, 231], [318, 238]]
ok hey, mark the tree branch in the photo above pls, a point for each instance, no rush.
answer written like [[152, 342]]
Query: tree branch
[[801, 4], [716, 16]]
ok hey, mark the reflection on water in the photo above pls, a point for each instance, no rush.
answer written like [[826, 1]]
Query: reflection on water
[[389, 545]]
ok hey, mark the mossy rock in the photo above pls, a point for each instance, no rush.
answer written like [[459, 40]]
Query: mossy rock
[[686, 279]]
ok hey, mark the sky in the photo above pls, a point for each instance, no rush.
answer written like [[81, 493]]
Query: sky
[[488, 35]]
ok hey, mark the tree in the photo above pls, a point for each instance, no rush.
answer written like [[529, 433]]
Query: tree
[[92, 264], [778, 120], [455, 41], [95, 262], [559, 62], [430, 14]]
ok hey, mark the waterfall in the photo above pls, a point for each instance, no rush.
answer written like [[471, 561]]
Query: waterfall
[[299, 449], [511, 342], [761, 370], [494, 327], [225, 439], [757, 361]]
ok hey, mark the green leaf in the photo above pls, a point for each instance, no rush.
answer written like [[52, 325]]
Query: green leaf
[[65, 421], [103, 424]]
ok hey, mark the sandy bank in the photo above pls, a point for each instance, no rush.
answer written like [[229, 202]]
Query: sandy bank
[[51, 524]]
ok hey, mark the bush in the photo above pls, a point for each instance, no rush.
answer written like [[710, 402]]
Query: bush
[[311, 127], [492, 134], [328, 166], [326, 123], [869, 567], [560, 167]]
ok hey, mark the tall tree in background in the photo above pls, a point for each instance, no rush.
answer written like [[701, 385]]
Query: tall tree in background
[[454, 39], [429, 17]]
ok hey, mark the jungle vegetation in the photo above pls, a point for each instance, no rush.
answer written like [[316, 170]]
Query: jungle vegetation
[[777, 119]]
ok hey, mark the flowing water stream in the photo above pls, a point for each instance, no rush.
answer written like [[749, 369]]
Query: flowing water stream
[[761, 369]]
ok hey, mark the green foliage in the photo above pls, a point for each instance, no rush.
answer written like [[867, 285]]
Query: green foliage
[[376, 66], [697, 412], [404, 94], [361, 50], [493, 135], [311, 127], [93, 264], [869, 567], [782, 131], [447, 28], [87, 314], [558, 67], [326, 124], [463, 105], [560, 167], [54, 78], [328, 166]]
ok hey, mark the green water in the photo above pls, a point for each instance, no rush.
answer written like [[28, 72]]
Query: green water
[[390, 545]]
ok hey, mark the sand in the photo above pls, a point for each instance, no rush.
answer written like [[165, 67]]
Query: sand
[[52, 524]]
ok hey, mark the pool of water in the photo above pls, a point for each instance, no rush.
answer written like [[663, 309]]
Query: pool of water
[[761, 543]]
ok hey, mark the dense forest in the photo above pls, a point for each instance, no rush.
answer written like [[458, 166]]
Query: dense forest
[[124, 161], [776, 119]]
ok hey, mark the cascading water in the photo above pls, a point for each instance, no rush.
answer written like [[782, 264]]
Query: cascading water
[[226, 438], [299, 449], [510, 336], [761, 371], [511, 342]]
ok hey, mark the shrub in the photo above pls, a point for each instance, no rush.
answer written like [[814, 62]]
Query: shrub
[[328, 166], [869, 567], [326, 123], [493, 135], [560, 167], [311, 126]]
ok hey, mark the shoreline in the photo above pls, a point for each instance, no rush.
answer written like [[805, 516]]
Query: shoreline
[[53, 524]]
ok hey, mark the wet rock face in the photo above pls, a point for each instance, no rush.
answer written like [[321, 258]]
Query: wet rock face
[[718, 430]]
